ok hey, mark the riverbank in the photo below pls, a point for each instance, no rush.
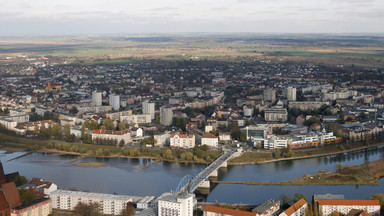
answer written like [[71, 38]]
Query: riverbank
[[249, 158], [365, 174]]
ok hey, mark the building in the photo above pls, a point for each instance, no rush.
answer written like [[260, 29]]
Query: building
[[291, 93], [39, 207], [269, 208], [328, 206], [109, 203], [114, 101], [149, 108], [248, 111], [145, 203], [47, 187], [96, 98], [182, 141], [317, 197], [166, 115], [124, 135], [276, 114], [276, 142], [210, 210], [136, 119], [297, 209], [306, 105], [181, 205], [9, 198], [161, 139], [210, 140], [259, 131], [269, 95]]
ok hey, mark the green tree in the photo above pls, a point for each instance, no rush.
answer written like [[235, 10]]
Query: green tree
[[168, 154], [285, 201], [298, 196], [20, 180], [27, 196], [121, 126], [108, 124], [67, 130], [380, 197], [83, 209]]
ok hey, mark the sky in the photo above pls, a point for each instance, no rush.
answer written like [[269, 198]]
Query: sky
[[68, 17]]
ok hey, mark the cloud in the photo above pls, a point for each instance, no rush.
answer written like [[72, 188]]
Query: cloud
[[163, 9]]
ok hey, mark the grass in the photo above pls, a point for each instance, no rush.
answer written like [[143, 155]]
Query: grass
[[251, 157]]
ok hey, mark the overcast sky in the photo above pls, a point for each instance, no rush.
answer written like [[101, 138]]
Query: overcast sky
[[42, 17]]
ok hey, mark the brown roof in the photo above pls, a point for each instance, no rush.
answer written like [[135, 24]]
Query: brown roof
[[12, 194], [226, 211], [110, 132], [183, 136], [358, 212], [3, 202], [208, 135], [295, 207], [39, 181], [348, 202]]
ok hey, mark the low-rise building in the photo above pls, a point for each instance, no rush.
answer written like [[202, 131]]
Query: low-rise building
[[182, 141], [109, 203], [268, 208], [297, 209], [124, 135], [39, 207], [329, 206], [210, 140], [276, 114]]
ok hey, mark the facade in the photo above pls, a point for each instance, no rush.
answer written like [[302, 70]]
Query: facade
[[136, 119], [182, 141], [210, 140], [166, 115], [276, 114], [114, 101], [149, 108], [161, 139], [291, 94], [248, 111], [328, 206], [269, 208], [297, 209], [112, 135], [173, 205], [276, 142], [306, 105], [260, 131], [110, 204], [269, 95], [39, 207], [96, 98]]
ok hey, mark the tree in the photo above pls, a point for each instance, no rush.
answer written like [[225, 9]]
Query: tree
[[168, 154], [129, 210], [298, 196], [20, 180], [285, 201], [335, 213], [339, 167], [121, 126], [73, 110], [67, 130], [380, 197], [108, 124], [27, 196], [83, 209]]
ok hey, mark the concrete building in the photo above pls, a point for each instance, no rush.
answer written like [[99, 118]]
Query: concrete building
[[210, 140], [39, 207], [145, 203], [276, 114], [276, 142], [248, 111], [114, 101], [268, 208], [291, 94], [269, 95], [182, 141], [97, 98], [328, 206], [110, 204], [259, 131], [124, 135], [176, 205], [210, 210], [297, 209], [136, 119], [161, 139], [306, 105], [149, 108], [166, 115]]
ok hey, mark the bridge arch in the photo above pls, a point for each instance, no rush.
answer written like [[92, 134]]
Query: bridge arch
[[184, 181]]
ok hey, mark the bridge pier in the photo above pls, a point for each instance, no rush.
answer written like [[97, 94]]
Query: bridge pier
[[205, 184], [213, 174], [224, 165]]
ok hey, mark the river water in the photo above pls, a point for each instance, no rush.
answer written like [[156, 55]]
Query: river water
[[122, 176]]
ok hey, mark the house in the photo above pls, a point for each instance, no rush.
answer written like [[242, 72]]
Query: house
[[40, 207], [297, 209], [182, 141], [210, 140], [48, 187], [328, 206], [268, 208], [9, 198]]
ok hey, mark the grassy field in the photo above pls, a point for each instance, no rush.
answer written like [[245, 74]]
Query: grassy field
[[334, 49]]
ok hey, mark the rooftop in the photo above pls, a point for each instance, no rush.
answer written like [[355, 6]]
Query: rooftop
[[91, 195]]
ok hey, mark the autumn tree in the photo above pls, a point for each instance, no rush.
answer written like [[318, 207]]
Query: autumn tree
[[83, 209], [380, 197], [298, 196], [129, 210]]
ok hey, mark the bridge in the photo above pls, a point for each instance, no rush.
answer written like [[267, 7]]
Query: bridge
[[190, 183]]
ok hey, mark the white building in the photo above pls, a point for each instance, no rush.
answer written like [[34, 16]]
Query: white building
[[39, 207], [136, 119], [109, 203], [145, 203], [149, 108], [327, 207], [291, 94], [166, 115], [276, 114], [276, 142], [297, 209], [96, 98], [176, 205], [182, 141], [114, 101], [112, 135], [248, 110], [161, 139], [210, 140]]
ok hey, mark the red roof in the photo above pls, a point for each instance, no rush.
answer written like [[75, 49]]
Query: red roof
[[349, 202], [208, 135], [110, 132], [3, 202], [295, 207], [226, 211], [39, 181], [12, 194]]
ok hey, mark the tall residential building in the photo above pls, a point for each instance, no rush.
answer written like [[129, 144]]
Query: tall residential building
[[96, 98], [114, 101], [149, 108], [269, 95], [291, 94], [181, 205], [166, 115]]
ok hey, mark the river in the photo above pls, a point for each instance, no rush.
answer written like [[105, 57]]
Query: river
[[122, 176]]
